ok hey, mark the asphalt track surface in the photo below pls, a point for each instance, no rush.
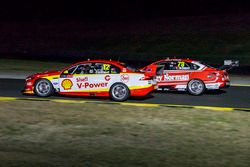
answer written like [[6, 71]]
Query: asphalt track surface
[[235, 96]]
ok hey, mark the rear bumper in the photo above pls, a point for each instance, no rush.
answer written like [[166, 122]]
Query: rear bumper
[[225, 85], [218, 85]]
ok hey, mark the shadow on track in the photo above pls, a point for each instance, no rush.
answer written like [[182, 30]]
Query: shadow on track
[[209, 92]]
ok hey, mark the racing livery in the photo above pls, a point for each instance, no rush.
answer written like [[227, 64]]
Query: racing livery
[[188, 75], [92, 78]]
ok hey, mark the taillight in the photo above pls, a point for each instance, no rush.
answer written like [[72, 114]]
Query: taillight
[[212, 75]]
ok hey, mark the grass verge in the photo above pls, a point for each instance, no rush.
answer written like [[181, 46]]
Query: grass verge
[[57, 134]]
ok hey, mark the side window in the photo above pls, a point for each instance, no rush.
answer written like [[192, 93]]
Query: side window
[[71, 69], [194, 66], [114, 70], [96, 68], [187, 66], [110, 69], [169, 65], [83, 69], [184, 65], [178, 65], [105, 68]]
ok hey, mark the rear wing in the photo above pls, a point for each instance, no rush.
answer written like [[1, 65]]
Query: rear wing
[[229, 64]]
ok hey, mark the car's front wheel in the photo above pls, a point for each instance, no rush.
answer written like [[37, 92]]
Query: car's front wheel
[[119, 92], [196, 87], [43, 88]]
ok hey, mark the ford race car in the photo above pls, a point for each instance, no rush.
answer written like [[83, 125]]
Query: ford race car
[[92, 78], [187, 75]]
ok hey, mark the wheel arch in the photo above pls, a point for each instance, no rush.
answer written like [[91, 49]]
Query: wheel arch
[[201, 82], [39, 79], [110, 93]]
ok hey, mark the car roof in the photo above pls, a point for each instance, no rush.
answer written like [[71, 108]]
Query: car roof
[[113, 62], [173, 59], [100, 61]]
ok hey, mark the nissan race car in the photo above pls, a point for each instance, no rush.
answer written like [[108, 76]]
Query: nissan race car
[[187, 75], [92, 78]]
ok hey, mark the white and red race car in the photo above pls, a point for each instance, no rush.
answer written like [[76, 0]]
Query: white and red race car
[[187, 75], [92, 78]]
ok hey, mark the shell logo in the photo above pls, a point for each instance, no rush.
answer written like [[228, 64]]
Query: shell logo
[[125, 78], [67, 84]]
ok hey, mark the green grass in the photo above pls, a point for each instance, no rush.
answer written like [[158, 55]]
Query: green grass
[[30, 65], [58, 134]]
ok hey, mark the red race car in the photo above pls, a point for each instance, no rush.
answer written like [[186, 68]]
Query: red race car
[[92, 78], [187, 75]]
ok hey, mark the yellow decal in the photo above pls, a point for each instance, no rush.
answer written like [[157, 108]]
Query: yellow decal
[[106, 67], [52, 77], [181, 64], [67, 84]]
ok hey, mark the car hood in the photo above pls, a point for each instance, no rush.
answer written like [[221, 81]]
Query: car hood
[[44, 74]]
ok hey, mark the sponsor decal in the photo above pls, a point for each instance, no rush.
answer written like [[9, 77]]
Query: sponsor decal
[[167, 77], [181, 64], [55, 83], [82, 79], [67, 84], [66, 76], [124, 70], [69, 76], [213, 86], [107, 77], [92, 85], [124, 78]]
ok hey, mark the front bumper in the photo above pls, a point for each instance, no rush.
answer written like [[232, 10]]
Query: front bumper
[[28, 92], [28, 88]]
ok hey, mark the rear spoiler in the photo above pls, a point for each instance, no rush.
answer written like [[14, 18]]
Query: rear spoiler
[[229, 64]]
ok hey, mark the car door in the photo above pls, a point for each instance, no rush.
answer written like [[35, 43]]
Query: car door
[[88, 78], [175, 72], [68, 81]]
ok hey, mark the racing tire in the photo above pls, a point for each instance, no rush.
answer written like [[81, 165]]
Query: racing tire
[[119, 92], [43, 88], [196, 87]]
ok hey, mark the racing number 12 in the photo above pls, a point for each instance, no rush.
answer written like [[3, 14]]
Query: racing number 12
[[106, 67]]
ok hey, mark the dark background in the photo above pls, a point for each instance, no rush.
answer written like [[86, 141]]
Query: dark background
[[132, 31], [93, 10]]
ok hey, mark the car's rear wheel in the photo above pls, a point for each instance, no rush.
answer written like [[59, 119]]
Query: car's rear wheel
[[43, 88], [119, 92], [196, 87]]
